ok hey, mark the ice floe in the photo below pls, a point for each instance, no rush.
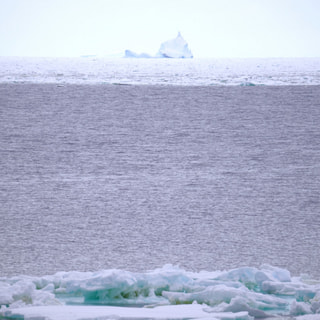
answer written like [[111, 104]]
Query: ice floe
[[166, 293]]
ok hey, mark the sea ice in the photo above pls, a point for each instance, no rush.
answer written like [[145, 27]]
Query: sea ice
[[102, 313], [168, 292]]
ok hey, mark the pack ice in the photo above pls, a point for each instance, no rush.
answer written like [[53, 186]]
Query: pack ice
[[166, 293], [175, 48]]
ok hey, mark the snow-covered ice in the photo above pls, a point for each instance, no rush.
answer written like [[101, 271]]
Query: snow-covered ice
[[93, 312], [166, 293]]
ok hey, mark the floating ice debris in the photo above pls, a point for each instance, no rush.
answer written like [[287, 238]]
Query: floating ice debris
[[243, 293]]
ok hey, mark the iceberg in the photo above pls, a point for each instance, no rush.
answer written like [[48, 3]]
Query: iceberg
[[166, 293], [132, 54], [176, 48]]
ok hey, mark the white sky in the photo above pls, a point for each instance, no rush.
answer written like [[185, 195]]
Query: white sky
[[212, 28]]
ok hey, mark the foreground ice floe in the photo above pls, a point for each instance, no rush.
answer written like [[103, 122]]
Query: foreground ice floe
[[166, 293], [93, 312]]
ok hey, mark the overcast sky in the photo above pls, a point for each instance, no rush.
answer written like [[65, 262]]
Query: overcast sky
[[213, 28]]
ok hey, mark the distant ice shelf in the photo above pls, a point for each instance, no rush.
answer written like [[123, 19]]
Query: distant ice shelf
[[176, 48]]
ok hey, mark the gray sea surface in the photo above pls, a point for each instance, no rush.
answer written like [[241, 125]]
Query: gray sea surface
[[134, 177]]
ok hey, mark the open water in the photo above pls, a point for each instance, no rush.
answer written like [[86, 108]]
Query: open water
[[108, 176]]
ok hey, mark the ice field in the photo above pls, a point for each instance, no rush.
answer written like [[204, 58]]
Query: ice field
[[166, 293]]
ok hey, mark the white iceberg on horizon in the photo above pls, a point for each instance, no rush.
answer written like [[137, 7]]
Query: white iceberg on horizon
[[176, 48], [132, 54]]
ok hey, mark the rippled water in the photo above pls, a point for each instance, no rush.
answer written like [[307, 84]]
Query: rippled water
[[133, 177]]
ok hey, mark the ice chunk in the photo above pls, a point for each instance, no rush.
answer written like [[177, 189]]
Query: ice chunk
[[315, 303], [122, 287], [24, 292], [256, 277], [239, 303], [234, 299], [299, 308]]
